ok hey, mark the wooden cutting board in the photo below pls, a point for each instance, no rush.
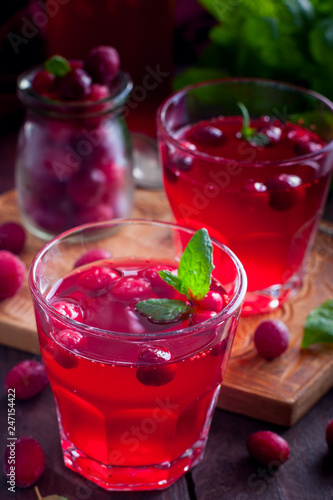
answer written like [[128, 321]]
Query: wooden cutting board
[[279, 391]]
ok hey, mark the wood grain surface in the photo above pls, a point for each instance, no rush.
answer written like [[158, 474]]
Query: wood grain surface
[[280, 391]]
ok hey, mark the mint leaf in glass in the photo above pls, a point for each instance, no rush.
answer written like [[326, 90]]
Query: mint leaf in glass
[[57, 66], [249, 133], [163, 310], [318, 327], [195, 267]]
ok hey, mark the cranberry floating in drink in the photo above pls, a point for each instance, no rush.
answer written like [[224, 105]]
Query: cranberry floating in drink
[[135, 346], [74, 163], [251, 161]]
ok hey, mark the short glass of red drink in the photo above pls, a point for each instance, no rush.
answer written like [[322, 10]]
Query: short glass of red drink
[[250, 160], [134, 395]]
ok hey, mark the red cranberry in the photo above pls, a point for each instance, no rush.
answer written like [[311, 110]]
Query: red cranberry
[[12, 237], [68, 309], [268, 448], [103, 64], [200, 316], [28, 378], [283, 191], [75, 85], [160, 287], [131, 288], [254, 187], [91, 256], [12, 274], [305, 148], [66, 341], [171, 175], [43, 83], [70, 339], [220, 348], [98, 279], [271, 338], [76, 63], [182, 162], [213, 301], [153, 368], [98, 92], [207, 136], [98, 213], [272, 132], [29, 461], [329, 435], [87, 188]]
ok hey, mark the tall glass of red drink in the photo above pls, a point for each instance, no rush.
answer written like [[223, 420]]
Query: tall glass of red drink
[[258, 186], [134, 397]]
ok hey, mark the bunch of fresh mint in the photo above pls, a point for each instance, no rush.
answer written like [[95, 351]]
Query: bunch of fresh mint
[[288, 40]]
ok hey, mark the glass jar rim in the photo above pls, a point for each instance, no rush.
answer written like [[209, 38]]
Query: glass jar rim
[[169, 136], [226, 313], [119, 91]]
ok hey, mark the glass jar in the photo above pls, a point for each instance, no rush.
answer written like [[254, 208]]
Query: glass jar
[[74, 159]]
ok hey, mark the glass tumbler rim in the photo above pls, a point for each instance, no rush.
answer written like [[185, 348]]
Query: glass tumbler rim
[[169, 137], [225, 314]]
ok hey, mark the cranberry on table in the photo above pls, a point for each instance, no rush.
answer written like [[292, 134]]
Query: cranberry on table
[[268, 448], [12, 274], [75, 85], [103, 64], [284, 192], [29, 461], [153, 368], [12, 237], [271, 339], [28, 378]]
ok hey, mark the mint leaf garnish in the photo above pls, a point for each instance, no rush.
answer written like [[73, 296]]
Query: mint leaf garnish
[[57, 65], [195, 267], [250, 133], [319, 325], [163, 310]]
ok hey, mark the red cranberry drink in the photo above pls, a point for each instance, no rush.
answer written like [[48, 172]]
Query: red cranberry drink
[[259, 185], [135, 346], [74, 162]]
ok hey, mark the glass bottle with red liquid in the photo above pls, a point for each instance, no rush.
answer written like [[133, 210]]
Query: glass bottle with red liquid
[[259, 187]]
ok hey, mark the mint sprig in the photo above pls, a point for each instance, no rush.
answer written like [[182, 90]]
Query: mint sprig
[[163, 310], [193, 281], [57, 66], [249, 133], [318, 327], [195, 267]]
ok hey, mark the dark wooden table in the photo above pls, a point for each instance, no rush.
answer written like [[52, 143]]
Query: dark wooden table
[[226, 472]]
